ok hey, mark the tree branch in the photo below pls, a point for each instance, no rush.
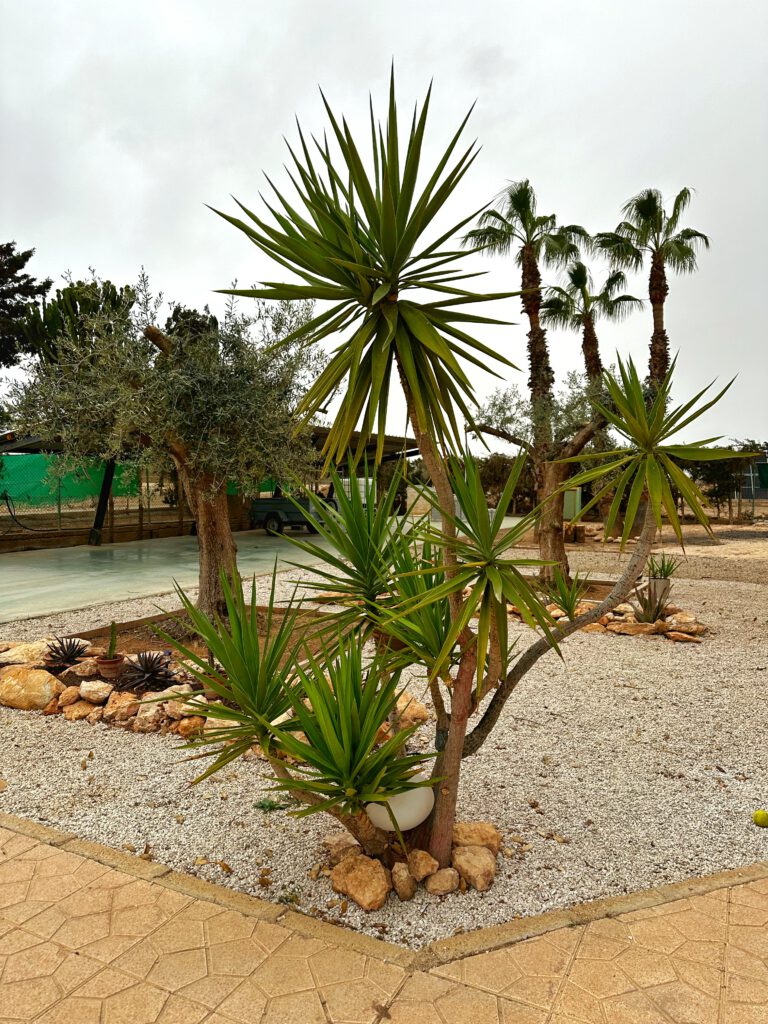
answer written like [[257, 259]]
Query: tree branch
[[161, 341], [528, 659], [504, 435]]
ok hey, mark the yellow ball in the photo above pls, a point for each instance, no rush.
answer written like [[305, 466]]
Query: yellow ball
[[760, 818]]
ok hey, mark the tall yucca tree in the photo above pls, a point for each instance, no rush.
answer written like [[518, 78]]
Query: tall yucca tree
[[515, 224], [649, 231], [360, 238], [575, 306]]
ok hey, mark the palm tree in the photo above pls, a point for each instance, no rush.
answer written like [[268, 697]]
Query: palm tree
[[647, 229], [575, 307], [514, 223]]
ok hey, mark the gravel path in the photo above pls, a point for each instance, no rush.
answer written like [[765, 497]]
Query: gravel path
[[648, 757]]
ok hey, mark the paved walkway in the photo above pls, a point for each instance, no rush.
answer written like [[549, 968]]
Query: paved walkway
[[61, 579], [93, 936]]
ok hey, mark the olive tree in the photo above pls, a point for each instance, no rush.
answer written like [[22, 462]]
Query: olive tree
[[211, 398]]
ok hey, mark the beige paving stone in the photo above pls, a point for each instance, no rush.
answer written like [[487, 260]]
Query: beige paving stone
[[29, 998], [408, 1011], [238, 958], [334, 966], [494, 971], [295, 1008], [684, 1004], [599, 979], [537, 992], [540, 958], [633, 1008], [247, 1003], [73, 1009], [644, 968], [356, 1002], [575, 1002], [175, 971], [279, 976], [747, 990], [139, 1004], [466, 1004], [517, 1013]]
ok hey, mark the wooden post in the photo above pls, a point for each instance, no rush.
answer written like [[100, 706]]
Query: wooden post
[[101, 508]]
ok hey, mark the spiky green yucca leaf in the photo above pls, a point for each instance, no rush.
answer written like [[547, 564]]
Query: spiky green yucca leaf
[[257, 675], [484, 567], [565, 593], [340, 706], [363, 538], [648, 465], [356, 238]]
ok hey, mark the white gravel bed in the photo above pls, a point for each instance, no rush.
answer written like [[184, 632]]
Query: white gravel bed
[[647, 756]]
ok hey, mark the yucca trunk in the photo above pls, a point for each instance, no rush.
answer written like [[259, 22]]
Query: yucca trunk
[[444, 814], [658, 289], [216, 545]]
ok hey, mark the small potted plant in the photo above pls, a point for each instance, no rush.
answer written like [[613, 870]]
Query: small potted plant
[[111, 664], [660, 572]]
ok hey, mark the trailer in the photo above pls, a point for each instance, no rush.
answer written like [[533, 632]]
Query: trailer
[[277, 514]]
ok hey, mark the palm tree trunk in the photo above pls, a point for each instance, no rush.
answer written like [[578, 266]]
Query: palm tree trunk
[[593, 364], [551, 539], [658, 289]]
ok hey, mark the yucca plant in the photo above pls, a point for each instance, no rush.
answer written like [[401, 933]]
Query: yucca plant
[[663, 567], [354, 567], [647, 465], [256, 672], [355, 237], [340, 703], [565, 593], [650, 605], [486, 571]]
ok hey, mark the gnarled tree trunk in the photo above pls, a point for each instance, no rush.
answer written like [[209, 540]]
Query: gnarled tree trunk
[[658, 289], [218, 551], [593, 364]]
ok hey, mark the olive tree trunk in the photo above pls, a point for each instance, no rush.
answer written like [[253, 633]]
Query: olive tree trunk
[[216, 545]]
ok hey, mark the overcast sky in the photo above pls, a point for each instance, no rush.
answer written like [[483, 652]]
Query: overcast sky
[[120, 120]]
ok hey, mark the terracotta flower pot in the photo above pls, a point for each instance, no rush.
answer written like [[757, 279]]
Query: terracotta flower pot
[[111, 668]]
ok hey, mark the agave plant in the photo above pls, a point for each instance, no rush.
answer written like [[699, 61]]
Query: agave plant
[[648, 464], [256, 677], [148, 670], [565, 593], [663, 567], [64, 651], [359, 243]]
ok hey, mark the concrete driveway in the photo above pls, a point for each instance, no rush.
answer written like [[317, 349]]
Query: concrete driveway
[[61, 579]]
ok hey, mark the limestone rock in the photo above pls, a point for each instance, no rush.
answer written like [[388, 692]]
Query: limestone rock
[[95, 691], [28, 689], [692, 628], [442, 882], [149, 718], [421, 864], [190, 725], [69, 696], [476, 865], [362, 879], [683, 638], [477, 833], [593, 627], [96, 715], [198, 705], [52, 707], [87, 669], [632, 628], [339, 845], [403, 882], [78, 711], [25, 654], [175, 699], [410, 711], [624, 609], [121, 707]]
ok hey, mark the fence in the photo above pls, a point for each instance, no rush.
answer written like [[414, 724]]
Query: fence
[[39, 502]]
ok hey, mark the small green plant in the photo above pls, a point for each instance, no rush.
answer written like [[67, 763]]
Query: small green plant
[[252, 671], [650, 606], [64, 651], [149, 670], [112, 648], [664, 567], [565, 593], [267, 805]]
